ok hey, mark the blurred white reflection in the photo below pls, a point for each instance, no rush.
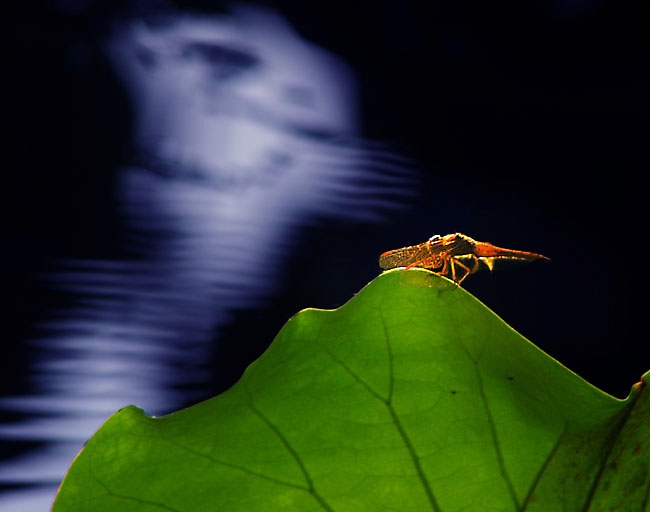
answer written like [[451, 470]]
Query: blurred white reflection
[[244, 133]]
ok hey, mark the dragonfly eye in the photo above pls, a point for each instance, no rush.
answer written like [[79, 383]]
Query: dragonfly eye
[[434, 237]]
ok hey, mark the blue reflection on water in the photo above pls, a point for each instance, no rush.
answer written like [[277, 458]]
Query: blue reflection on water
[[243, 134]]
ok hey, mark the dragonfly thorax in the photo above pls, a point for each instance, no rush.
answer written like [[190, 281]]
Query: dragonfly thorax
[[459, 244]]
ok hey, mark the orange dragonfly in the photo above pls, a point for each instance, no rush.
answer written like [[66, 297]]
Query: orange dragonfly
[[453, 256]]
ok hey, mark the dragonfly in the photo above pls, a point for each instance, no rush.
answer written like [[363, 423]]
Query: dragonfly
[[454, 256]]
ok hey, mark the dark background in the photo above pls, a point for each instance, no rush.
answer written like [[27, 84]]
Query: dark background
[[527, 121]]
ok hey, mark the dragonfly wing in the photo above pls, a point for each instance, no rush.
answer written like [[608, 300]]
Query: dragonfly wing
[[413, 256], [397, 258]]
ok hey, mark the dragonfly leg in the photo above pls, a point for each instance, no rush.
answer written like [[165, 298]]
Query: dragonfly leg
[[476, 265], [445, 268], [455, 262], [449, 269], [471, 261], [488, 261]]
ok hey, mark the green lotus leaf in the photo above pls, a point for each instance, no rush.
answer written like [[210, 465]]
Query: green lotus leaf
[[413, 396]]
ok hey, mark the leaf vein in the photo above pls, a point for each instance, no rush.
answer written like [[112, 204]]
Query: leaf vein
[[237, 467], [354, 375], [398, 424], [391, 375], [132, 498], [542, 469], [311, 488], [495, 440], [415, 458], [609, 446]]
